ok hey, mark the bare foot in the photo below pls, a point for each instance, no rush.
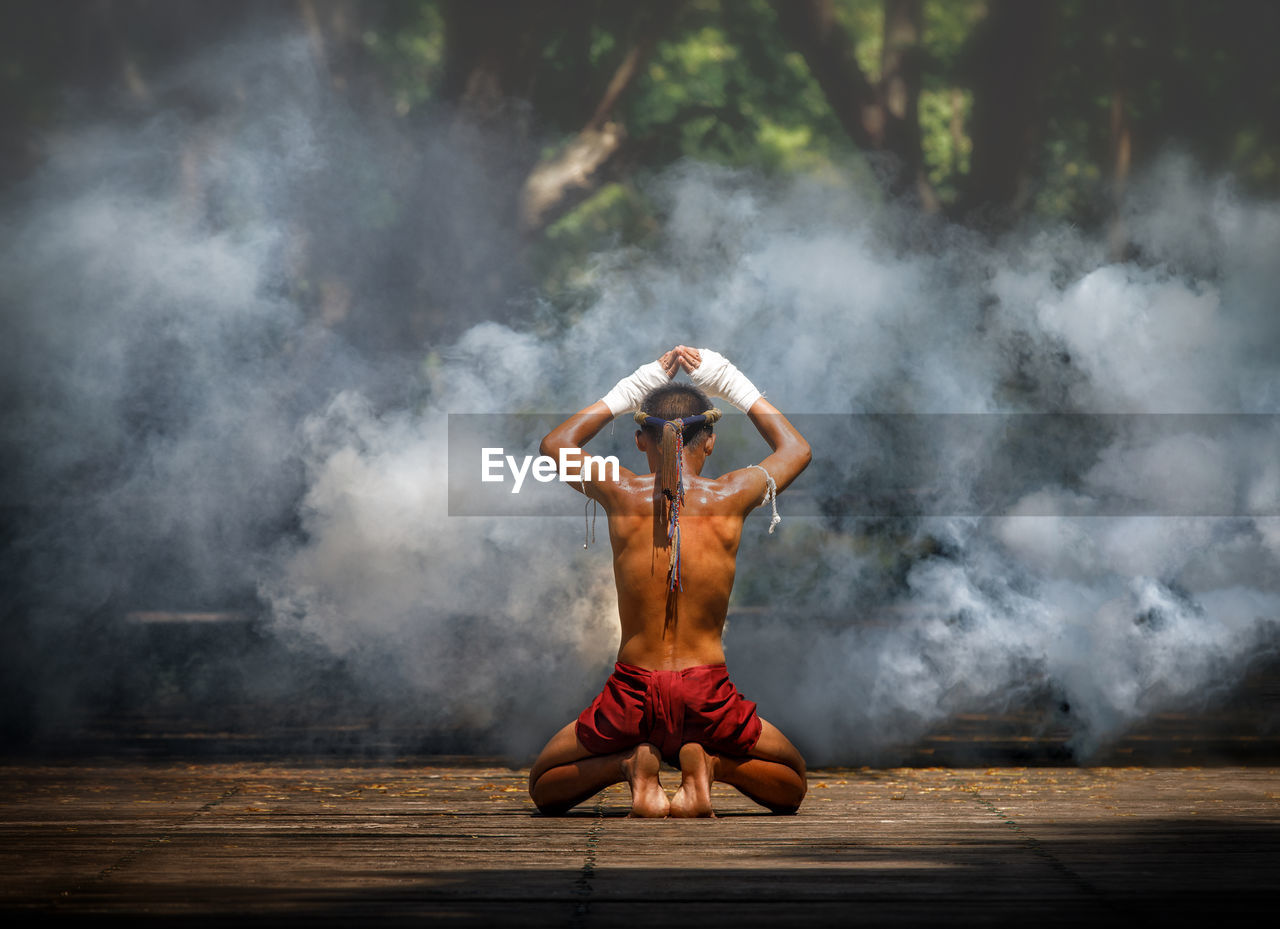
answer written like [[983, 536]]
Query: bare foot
[[697, 771], [640, 768]]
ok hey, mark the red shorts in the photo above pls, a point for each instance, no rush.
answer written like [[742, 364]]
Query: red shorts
[[668, 709]]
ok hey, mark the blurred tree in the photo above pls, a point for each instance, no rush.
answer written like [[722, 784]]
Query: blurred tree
[[987, 108], [570, 175], [1120, 154], [1006, 64], [880, 117], [337, 32]]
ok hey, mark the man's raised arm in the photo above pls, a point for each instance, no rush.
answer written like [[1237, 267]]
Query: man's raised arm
[[717, 376], [625, 397]]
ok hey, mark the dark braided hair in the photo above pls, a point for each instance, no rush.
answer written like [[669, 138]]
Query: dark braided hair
[[662, 416]]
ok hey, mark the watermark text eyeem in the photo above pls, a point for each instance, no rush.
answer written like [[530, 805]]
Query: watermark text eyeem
[[573, 466]]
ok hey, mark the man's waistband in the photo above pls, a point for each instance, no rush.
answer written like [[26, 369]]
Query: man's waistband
[[637, 671]]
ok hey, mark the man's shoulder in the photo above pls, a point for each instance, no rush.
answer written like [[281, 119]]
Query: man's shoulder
[[732, 493], [740, 490], [631, 492]]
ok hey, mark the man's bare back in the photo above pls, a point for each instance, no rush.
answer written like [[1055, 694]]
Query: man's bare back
[[689, 634], [670, 626]]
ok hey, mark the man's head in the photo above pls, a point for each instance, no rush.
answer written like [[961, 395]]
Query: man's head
[[677, 401], [672, 402]]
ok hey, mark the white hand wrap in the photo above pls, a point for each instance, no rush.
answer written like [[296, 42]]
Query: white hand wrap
[[628, 393], [718, 376]]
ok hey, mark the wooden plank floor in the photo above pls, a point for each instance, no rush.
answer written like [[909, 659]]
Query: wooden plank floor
[[455, 842]]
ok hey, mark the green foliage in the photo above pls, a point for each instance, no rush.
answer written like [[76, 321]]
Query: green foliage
[[723, 84], [409, 49], [615, 215], [727, 90], [946, 145], [1195, 76], [864, 21], [946, 104]]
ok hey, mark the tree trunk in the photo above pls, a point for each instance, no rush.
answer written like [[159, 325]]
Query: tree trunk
[[1009, 66], [883, 117], [563, 181], [810, 25], [1121, 154], [491, 49], [900, 76], [558, 185]]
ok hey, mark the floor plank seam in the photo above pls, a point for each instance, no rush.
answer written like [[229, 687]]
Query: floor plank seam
[[582, 886], [153, 842], [1036, 847]]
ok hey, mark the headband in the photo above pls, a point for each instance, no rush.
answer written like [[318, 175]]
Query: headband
[[710, 416]]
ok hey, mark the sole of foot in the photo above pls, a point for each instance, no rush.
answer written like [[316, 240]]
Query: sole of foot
[[697, 770], [640, 768]]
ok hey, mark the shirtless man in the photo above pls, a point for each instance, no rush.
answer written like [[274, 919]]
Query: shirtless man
[[670, 695]]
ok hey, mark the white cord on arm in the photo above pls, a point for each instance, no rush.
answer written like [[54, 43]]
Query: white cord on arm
[[628, 393], [718, 376], [770, 496]]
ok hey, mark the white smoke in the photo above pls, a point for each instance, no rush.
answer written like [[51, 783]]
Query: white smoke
[[169, 375]]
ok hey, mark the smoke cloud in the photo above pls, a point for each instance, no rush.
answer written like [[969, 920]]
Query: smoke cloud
[[189, 427]]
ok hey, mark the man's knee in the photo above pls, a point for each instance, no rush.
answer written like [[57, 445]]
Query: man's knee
[[791, 805], [552, 809], [545, 807], [549, 797], [544, 804], [793, 795]]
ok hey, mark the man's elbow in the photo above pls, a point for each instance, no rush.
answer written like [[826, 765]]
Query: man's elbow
[[804, 454]]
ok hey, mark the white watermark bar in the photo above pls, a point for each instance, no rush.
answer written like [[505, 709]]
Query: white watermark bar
[[890, 466]]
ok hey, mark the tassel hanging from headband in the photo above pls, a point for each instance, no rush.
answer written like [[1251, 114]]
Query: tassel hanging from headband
[[671, 478]]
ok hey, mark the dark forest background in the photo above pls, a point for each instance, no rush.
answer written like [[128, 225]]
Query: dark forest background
[[985, 111]]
